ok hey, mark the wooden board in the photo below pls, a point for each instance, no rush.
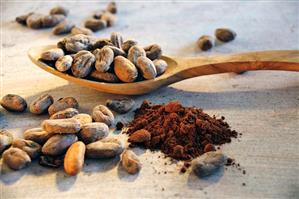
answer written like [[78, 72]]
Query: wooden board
[[263, 106]]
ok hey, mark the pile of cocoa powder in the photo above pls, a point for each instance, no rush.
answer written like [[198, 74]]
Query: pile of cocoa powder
[[179, 132]]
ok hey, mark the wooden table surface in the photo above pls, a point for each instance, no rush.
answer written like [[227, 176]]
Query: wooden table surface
[[263, 105]]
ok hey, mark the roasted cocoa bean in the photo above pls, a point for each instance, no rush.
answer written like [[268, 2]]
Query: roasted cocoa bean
[[95, 24], [225, 34], [64, 63], [6, 139], [135, 52], [104, 58], [124, 69], [92, 132], [109, 18], [79, 42], [34, 21], [81, 30], [74, 158], [147, 67], [140, 136], [66, 113], [41, 104], [130, 162], [58, 144], [33, 149], [22, 19], [52, 54], [205, 42], [62, 104], [122, 105], [16, 158], [63, 27], [62, 126], [59, 10], [128, 44], [116, 39], [49, 21], [111, 7], [117, 51], [105, 148], [153, 51], [83, 63], [13, 102], [37, 135], [160, 66], [83, 118], [101, 113]]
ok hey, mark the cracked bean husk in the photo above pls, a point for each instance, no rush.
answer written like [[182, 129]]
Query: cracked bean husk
[[104, 58], [63, 27], [111, 7], [83, 63], [160, 66], [52, 20], [6, 139], [32, 148], [95, 24], [58, 144], [22, 18], [34, 21], [64, 114], [62, 104], [79, 42], [74, 158], [153, 51], [109, 18], [130, 162], [64, 63], [59, 10], [52, 54], [124, 69], [61, 126], [81, 30], [50, 161], [92, 132], [147, 67], [37, 135], [122, 105], [101, 113], [41, 104], [205, 42], [128, 44], [116, 39], [15, 103], [135, 52], [117, 51], [105, 148], [225, 34], [83, 118], [208, 163], [16, 158], [104, 77]]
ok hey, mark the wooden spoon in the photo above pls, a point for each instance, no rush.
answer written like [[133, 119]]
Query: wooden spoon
[[184, 68]]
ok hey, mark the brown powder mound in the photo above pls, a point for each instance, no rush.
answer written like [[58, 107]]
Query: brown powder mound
[[179, 132]]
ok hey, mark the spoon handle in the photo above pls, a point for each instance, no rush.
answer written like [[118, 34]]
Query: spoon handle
[[287, 60]]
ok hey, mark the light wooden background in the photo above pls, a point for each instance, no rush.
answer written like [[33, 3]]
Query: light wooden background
[[262, 105]]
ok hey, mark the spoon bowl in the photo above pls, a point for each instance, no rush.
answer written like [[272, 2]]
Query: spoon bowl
[[182, 68]]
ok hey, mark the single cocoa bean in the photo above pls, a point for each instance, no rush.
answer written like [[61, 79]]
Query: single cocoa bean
[[160, 66], [83, 118], [34, 21], [122, 105], [62, 104], [62, 126], [37, 135], [59, 10], [49, 21], [22, 19], [140, 136], [66, 113], [74, 158], [63, 27], [205, 42], [153, 51], [83, 63], [16, 158], [6, 139], [128, 44], [130, 162], [41, 104], [147, 67], [52, 54], [64, 63], [58, 144], [95, 24], [104, 58], [13, 102], [225, 34], [105, 148], [92, 132], [81, 30], [116, 39], [79, 42], [124, 69], [101, 113], [135, 52], [33, 149]]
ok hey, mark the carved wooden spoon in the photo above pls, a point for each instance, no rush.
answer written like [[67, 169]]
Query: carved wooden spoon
[[183, 68]]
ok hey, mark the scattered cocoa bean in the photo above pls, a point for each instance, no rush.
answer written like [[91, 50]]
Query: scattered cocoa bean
[[140, 136], [58, 144], [208, 163], [50, 161], [64, 63], [153, 51], [116, 39], [59, 10], [109, 18], [41, 104], [81, 30], [33, 149], [34, 21], [62, 104], [122, 105], [128, 44], [124, 69], [104, 58], [74, 158], [22, 19], [111, 7], [79, 42], [37, 135], [83, 63], [12, 102], [16, 158], [92, 132], [66, 113], [205, 42], [83, 118], [95, 24], [105, 77], [63, 27], [6, 139], [160, 66], [105, 148], [49, 21], [135, 52], [130, 162], [225, 34], [52, 54], [101, 113], [62, 126], [147, 67]]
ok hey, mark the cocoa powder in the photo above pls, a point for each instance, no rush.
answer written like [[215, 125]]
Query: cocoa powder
[[179, 132]]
